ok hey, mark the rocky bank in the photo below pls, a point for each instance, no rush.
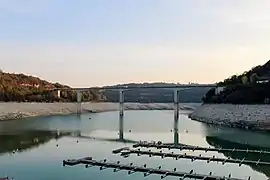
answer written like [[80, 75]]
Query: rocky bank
[[13, 111], [255, 117]]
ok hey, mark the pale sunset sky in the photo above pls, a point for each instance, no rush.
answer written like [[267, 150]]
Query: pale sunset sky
[[86, 43]]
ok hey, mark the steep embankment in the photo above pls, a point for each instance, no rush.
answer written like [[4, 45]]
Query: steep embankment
[[12, 111]]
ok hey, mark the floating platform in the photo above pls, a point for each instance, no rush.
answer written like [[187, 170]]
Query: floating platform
[[126, 152], [160, 145], [131, 168]]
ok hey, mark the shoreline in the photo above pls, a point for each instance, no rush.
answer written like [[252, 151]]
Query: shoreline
[[250, 117], [17, 111]]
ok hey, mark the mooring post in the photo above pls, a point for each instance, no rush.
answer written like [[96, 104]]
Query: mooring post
[[121, 114], [79, 102], [176, 115]]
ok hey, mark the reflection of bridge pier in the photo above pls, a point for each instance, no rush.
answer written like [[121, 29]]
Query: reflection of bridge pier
[[121, 128]]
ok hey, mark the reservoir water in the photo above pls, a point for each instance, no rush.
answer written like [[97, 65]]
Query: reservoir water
[[33, 149]]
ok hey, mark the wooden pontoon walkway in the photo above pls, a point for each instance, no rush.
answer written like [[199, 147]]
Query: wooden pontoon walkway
[[127, 152], [194, 148], [88, 161]]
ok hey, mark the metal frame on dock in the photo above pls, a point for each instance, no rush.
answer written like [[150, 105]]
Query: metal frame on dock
[[160, 145], [126, 152], [131, 168]]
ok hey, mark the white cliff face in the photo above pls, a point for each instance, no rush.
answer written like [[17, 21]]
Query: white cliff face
[[13, 110], [244, 116]]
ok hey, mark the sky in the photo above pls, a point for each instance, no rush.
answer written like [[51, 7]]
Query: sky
[[86, 43]]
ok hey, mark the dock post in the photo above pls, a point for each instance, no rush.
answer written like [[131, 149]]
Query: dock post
[[121, 114], [79, 102], [176, 116]]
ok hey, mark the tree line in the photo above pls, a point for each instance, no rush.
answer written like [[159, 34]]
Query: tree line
[[245, 88]]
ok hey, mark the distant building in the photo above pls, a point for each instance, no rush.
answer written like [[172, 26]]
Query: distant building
[[263, 79], [218, 90], [29, 85]]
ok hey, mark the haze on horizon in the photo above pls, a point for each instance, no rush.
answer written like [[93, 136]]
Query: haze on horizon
[[104, 42]]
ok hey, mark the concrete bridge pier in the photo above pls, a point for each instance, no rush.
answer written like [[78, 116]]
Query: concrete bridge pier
[[121, 102], [121, 114], [176, 116], [58, 93], [79, 101]]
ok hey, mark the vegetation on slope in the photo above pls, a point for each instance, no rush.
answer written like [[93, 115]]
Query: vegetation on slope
[[23, 88], [251, 87]]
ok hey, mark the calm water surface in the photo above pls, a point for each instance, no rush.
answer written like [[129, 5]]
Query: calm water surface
[[43, 143]]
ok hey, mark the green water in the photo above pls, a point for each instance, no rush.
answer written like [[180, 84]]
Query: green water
[[42, 143]]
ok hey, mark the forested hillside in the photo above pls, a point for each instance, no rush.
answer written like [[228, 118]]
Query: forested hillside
[[250, 87], [24, 88]]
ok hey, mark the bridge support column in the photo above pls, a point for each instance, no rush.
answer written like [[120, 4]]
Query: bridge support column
[[121, 114], [176, 116], [58, 93], [79, 102], [121, 103]]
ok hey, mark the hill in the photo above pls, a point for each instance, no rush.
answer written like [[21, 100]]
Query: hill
[[24, 88], [161, 95], [250, 87]]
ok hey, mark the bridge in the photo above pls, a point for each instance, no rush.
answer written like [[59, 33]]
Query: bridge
[[122, 89], [137, 87]]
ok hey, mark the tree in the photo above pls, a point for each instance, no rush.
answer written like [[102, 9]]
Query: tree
[[253, 78], [209, 95], [244, 80]]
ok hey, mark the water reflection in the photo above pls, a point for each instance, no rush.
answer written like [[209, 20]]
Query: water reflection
[[230, 139], [22, 141], [103, 132], [175, 133]]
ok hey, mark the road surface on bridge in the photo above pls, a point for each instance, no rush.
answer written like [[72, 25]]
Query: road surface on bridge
[[140, 87]]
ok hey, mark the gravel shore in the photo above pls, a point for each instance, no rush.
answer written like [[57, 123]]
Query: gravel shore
[[13, 111], [255, 117]]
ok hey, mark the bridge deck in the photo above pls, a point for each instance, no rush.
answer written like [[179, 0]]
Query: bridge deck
[[88, 161], [141, 87]]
